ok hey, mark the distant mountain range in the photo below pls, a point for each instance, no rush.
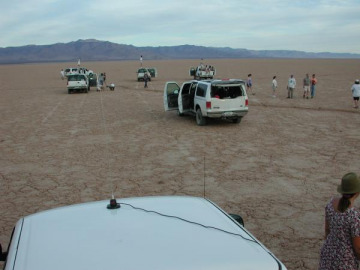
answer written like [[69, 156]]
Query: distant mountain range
[[95, 50]]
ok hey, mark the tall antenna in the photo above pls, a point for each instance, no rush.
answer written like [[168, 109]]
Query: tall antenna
[[204, 176], [107, 148]]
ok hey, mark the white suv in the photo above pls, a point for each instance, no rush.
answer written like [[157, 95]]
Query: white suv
[[162, 233], [78, 82], [70, 71], [151, 73], [226, 99]]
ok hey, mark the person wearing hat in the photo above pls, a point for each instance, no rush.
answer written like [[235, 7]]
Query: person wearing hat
[[356, 93], [341, 249]]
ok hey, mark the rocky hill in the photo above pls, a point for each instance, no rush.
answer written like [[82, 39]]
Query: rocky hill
[[95, 50]]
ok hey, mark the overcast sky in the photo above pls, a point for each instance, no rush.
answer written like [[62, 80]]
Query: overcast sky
[[312, 26]]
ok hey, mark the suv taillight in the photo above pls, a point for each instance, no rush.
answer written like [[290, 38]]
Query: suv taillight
[[246, 102], [208, 104]]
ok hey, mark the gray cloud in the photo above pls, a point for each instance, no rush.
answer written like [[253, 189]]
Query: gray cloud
[[293, 25]]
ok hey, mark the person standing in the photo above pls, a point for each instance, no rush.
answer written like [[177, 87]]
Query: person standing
[[62, 74], [356, 93], [249, 84], [274, 86], [313, 85], [306, 86], [100, 84], [341, 249], [291, 86], [104, 78], [141, 59], [146, 79]]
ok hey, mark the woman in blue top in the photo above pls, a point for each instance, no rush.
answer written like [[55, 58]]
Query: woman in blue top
[[249, 84]]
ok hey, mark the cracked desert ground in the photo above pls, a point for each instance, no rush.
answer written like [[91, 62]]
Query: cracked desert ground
[[277, 168]]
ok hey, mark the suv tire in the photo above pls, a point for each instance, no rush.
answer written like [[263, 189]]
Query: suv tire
[[200, 120], [236, 120]]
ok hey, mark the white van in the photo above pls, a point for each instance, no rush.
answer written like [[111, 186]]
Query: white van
[[162, 233], [226, 99], [70, 71]]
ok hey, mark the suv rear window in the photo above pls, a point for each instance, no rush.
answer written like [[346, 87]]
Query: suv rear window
[[227, 91], [74, 78]]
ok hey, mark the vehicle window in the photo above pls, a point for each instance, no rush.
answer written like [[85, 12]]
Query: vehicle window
[[201, 90], [172, 88], [75, 78], [192, 89], [227, 91], [186, 89], [9, 246]]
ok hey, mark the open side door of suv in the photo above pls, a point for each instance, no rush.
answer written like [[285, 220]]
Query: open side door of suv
[[153, 72], [171, 94]]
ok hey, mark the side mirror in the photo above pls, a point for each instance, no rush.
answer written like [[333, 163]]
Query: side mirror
[[2, 255], [238, 219]]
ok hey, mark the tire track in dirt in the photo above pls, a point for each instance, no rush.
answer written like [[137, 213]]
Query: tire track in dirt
[[50, 113], [58, 165], [305, 108], [182, 153]]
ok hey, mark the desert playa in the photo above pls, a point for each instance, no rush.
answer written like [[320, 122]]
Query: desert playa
[[277, 168]]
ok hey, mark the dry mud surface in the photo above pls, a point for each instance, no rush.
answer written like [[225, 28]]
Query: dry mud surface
[[277, 168]]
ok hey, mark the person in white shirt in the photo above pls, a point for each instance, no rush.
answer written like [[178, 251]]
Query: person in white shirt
[[291, 86], [274, 85], [62, 72], [356, 93]]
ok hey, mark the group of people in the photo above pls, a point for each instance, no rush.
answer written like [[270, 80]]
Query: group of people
[[309, 86], [206, 68]]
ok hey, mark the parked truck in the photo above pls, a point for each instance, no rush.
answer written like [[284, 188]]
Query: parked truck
[[155, 232], [202, 72], [78, 83], [151, 72]]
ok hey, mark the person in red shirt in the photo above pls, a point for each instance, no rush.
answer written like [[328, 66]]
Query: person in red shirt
[[313, 83]]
